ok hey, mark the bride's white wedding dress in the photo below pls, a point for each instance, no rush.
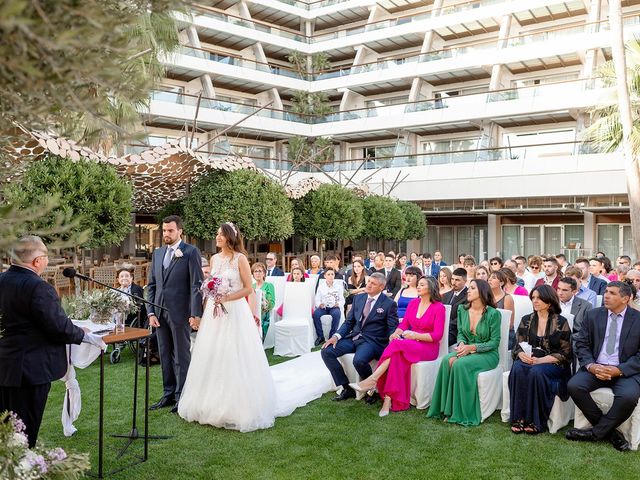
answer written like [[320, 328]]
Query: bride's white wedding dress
[[229, 383]]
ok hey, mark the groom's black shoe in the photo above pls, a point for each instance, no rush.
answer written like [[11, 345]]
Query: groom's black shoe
[[163, 403], [346, 393], [579, 435], [175, 408], [372, 399], [618, 441]]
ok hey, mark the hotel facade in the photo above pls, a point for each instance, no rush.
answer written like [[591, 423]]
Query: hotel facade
[[475, 110]]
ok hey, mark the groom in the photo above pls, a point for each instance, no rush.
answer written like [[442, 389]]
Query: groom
[[174, 283], [366, 331]]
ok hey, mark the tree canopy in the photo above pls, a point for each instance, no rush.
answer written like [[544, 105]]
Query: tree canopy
[[88, 192], [383, 218], [331, 212], [416, 223], [255, 203]]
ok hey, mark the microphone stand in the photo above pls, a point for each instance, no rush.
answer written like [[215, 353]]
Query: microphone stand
[[133, 434]]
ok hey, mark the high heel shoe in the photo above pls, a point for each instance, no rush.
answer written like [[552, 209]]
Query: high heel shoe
[[358, 388], [383, 412]]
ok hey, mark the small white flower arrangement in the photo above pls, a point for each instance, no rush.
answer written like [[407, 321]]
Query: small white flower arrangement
[[178, 253]]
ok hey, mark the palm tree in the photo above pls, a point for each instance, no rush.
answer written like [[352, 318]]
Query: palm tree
[[615, 125]]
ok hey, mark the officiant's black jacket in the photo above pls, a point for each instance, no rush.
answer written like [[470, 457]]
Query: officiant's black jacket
[[34, 330]]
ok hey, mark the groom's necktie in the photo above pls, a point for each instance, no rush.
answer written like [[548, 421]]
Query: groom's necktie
[[167, 258]]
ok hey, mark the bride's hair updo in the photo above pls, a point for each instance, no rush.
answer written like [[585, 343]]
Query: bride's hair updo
[[232, 234]]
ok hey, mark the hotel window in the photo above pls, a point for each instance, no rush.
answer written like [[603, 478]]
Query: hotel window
[[169, 94], [615, 240]]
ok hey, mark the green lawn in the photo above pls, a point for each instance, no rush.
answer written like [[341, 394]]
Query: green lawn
[[326, 440]]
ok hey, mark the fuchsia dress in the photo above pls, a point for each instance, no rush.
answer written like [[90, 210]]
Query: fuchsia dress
[[396, 381]]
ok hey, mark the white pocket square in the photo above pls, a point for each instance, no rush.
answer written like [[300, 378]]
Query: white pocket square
[[380, 310]]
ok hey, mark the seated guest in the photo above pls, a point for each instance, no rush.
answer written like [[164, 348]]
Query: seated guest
[[455, 396], [460, 263], [366, 331], [392, 276], [497, 281], [272, 268], [511, 287], [495, 264], [598, 269], [356, 282], [534, 273], [331, 261], [401, 263], [621, 272], [419, 264], [125, 283], [482, 273], [470, 265], [562, 263], [258, 271], [633, 278], [570, 303], [537, 377], [368, 262], [457, 296], [315, 266], [521, 269], [378, 263], [608, 350], [297, 264], [206, 268], [408, 292], [412, 258], [583, 292], [590, 281], [329, 301], [438, 262], [416, 339], [430, 270], [608, 272], [624, 260], [551, 275], [444, 281]]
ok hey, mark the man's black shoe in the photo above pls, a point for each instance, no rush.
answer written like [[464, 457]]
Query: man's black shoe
[[346, 393], [618, 441], [580, 435], [163, 403], [175, 408], [319, 341]]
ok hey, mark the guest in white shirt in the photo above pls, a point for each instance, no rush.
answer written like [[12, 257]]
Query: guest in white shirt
[[329, 301]]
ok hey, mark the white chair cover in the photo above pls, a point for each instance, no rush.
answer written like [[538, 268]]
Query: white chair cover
[[278, 287], [490, 382], [350, 370], [294, 333], [521, 306], [424, 374], [561, 412], [630, 428]]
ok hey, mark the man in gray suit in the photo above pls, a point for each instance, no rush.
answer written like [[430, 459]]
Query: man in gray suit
[[569, 303], [174, 283]]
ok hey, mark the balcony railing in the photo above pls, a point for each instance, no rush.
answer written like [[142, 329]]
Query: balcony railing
[[522, 152], [568, 89]]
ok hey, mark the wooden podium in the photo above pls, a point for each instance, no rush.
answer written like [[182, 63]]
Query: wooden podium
[[129, 334]]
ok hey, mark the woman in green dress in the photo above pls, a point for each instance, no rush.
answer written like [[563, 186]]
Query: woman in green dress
[[268, 294], [455, 396]]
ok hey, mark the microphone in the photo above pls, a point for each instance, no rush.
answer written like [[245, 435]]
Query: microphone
[[70, 272]]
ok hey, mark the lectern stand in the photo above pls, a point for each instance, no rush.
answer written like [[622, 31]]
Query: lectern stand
[[129, 334]]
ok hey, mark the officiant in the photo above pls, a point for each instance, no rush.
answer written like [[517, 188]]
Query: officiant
[[33, 333]]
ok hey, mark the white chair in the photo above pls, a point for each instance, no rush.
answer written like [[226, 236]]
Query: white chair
[[630, 428], [352, 374], [424, 374], [278, 290], [521, 306], [561, 412], [598, 300], [294, 333], [490, 382]]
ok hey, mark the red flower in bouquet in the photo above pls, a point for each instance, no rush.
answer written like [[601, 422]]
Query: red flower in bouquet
[[215, 288]]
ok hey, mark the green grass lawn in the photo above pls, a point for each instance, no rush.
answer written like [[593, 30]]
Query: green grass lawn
[[324, 440]]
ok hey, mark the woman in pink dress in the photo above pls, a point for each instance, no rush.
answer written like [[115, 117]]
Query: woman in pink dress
[[416, 339]]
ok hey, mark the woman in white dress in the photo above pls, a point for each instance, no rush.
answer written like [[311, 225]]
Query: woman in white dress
[[229, 384]]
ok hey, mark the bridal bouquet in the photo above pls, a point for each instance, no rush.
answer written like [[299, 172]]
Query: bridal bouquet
[[19, 462], [215, 288]]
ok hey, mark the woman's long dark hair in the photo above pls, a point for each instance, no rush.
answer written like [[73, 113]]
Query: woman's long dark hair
[[434, 290], [485, 294], [548, 295], [233, 235], [354, 280]]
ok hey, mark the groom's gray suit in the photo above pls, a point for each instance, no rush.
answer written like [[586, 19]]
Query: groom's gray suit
[[177, 288]]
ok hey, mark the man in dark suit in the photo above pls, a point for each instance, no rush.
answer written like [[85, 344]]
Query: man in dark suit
[[455, 297], [174, 283], [272, 269], [569, 303], [591, 282], [438, 262], [430, 269], [608, 350], [392, 276], [34, 332], [366, 331]]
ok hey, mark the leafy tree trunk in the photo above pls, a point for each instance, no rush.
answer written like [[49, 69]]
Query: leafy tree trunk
[[626, 119]]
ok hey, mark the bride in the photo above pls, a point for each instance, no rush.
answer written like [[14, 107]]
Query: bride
[[229, 384]]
